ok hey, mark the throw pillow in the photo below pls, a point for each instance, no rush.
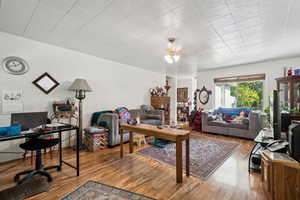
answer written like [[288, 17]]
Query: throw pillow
[[124, 114], [147, 108], [219, 117], [227, 117], [3, 131], [14, 130], [149, 116], [245, 121], [211, 117], [103, 124], [10, 130]]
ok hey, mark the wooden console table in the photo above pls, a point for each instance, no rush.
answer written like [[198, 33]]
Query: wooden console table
[[170, 134]]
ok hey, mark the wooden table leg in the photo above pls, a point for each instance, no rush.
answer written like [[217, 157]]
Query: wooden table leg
[[187, 156], [130, 142], [77, 151], [178, 160], [121, 144]]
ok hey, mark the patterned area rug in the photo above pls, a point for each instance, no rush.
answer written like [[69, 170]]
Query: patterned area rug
[[99, 191], [206, 154]]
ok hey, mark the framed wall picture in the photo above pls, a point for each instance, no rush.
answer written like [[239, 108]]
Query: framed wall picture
[[46, 83], [12, 101], [182, 94]]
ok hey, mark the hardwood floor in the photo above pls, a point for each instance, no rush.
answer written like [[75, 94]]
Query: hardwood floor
[[145, 176]]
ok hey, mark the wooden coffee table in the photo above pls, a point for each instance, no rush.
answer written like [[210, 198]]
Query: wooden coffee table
[[170, 134]]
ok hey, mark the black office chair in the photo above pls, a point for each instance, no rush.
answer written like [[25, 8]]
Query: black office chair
[[37, 145]]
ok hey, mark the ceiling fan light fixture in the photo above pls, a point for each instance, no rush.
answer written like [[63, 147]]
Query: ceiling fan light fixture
[[176, 58], [172, 55], [169, 59]]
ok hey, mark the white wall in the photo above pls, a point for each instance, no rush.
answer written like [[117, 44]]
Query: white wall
[[172, 81], [113, 84], [272, 69]]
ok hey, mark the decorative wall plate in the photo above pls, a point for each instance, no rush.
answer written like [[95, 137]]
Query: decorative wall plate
[[204, 95], [15, 65], [46, 83]]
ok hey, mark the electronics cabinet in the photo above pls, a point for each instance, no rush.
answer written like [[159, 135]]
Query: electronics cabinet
[[289, 91]]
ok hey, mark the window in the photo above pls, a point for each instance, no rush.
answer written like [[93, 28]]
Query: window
[[240, 91]]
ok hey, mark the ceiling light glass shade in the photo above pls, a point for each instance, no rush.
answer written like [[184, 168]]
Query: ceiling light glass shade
[[169, 59], [176, 58], [172, 59]]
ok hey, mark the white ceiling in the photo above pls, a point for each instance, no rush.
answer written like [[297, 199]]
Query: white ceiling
[[212, 33]]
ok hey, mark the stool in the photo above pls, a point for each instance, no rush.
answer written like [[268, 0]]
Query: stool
[[44, 137], [37, 145], [138, 139], [96, 141]]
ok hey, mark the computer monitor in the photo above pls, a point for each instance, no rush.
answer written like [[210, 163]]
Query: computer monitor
[[29, 120]]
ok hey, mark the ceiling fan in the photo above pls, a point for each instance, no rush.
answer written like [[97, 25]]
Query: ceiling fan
[[173, 52]]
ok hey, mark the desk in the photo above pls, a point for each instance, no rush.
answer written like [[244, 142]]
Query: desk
[[54, 130], [263, 138], [170, 134]]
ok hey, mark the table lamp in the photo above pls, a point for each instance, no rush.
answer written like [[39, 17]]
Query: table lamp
[[80, 86]]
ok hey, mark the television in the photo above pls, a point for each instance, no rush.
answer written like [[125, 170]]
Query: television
[[275, 114], [294, 141]]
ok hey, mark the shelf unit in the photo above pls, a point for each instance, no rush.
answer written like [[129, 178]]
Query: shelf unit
[[289, 87], [162, 103], [182, 112]]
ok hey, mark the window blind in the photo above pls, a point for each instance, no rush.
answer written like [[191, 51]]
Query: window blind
[[243, 78]]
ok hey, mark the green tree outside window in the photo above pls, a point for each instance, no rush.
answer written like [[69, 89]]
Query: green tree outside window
[[248, 94]]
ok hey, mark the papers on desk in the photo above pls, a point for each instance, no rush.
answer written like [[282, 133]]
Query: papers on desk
[[49, 126], [27, 132], [53, 125]]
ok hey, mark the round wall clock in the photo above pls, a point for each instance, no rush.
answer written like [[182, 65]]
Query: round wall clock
[[204, 95], [15, 65]]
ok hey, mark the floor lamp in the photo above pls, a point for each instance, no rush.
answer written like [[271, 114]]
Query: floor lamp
[[80, 86]]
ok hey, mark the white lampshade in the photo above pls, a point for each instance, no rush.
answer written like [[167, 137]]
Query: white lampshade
[[80, 84]]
